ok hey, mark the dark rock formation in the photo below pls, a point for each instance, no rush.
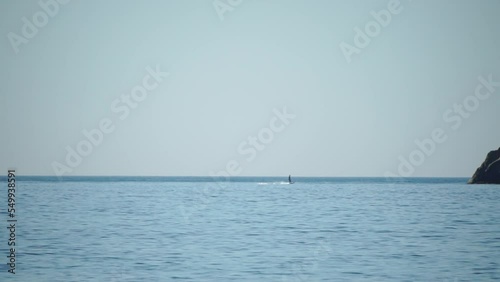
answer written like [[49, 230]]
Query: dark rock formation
[[489, 171]]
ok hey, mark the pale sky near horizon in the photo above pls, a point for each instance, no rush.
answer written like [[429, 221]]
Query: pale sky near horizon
[[228, 76]]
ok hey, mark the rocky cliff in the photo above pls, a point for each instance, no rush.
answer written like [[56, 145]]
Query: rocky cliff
[[489, 171]]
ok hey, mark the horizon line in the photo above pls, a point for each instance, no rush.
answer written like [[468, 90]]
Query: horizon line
[[236, 176]]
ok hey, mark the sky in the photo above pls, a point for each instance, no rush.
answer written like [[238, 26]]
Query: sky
[[249, 87]]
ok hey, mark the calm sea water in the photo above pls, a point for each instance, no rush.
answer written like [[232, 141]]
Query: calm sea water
[[253, 229]]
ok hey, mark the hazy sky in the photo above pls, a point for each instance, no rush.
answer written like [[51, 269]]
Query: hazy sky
[[232, 64]]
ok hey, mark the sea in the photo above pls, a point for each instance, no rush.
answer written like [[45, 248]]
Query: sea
[[251, 229]]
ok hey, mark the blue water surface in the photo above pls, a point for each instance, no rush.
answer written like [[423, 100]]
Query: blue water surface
[[253, 229]]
